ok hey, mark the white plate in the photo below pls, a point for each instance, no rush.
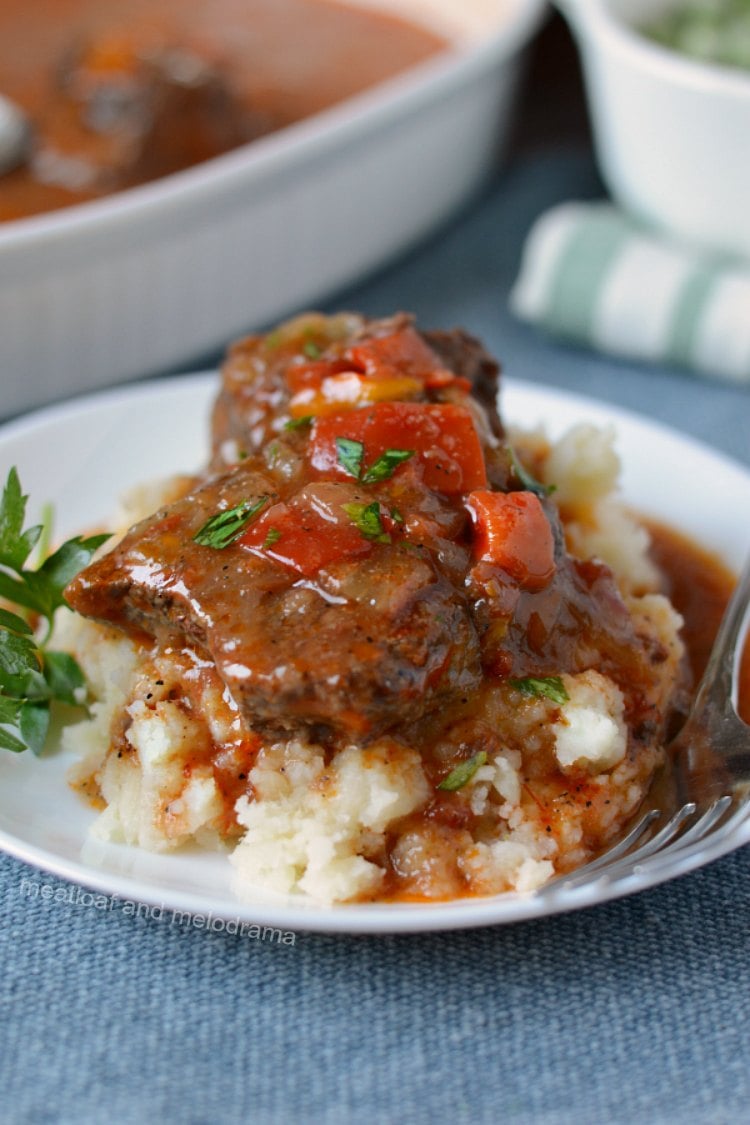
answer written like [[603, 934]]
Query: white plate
[[83, 455]]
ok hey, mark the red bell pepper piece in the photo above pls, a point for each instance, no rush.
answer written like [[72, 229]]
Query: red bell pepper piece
[[512, 531], [303, 540], [442, 436], [407, 353]]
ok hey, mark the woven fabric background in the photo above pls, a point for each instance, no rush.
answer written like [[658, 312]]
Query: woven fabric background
[[635, 1011]]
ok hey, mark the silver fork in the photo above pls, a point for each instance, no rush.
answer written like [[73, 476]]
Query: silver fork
[[710, 775]]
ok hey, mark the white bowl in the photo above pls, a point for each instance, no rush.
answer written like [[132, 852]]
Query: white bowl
[[672, 134], [158, 275]]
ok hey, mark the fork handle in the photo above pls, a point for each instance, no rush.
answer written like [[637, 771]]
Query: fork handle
[[719, 686]]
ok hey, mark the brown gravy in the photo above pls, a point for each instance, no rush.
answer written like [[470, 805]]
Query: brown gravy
[[280, 60], [699, 585]]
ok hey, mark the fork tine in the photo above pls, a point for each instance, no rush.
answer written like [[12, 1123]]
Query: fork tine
[[705, 821], [622, 847], [660, 850], [668, 855], [626, 853]]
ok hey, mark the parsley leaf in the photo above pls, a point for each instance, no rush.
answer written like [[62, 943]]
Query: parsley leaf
[[298, 423], [12, 621], [15, 544], [31, 676], [386, 464], [33, 725], [273, 537], [311, 349], [366, 518], [463, 773], [530, 483], [349, 454], [8, 741], [64, 678], [226, 527], [44, 587], [550, 687]]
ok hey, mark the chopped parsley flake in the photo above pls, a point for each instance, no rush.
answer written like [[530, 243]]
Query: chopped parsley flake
[[530, 483], [386, 464], [366, 518], [226, 527], [463, 773], [349, 454], [273, 537], [550, 687], [298, 423]]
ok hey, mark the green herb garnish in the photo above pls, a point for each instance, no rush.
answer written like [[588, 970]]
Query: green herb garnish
[[530, 483], [31, 675], [463, 773], [349, 454], [273, 537], [550, 686], [366, 518], [224, 528], [298, 423], [311, 349], [386, 464]]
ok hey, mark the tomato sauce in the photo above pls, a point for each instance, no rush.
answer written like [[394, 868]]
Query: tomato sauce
[[275, 62]]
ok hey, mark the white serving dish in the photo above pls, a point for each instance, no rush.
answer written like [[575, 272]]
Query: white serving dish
[[161, 274], [672, 133]]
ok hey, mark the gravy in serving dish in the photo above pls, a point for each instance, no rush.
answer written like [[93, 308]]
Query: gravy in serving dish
[[121, 92]]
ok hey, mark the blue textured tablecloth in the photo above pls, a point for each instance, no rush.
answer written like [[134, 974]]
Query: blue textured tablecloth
[[635, 1011]]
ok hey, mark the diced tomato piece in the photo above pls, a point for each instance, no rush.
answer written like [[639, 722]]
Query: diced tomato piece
[[405, 350], [407, 353], [442, 435], [303, 539], [512, 531]]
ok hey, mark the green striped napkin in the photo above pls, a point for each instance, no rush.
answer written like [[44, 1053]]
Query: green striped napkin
[[593, 275]]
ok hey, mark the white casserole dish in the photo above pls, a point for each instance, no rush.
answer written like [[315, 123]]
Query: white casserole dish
[[159, 275]]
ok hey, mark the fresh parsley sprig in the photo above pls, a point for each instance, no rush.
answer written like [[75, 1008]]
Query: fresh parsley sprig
[[32, 676]]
